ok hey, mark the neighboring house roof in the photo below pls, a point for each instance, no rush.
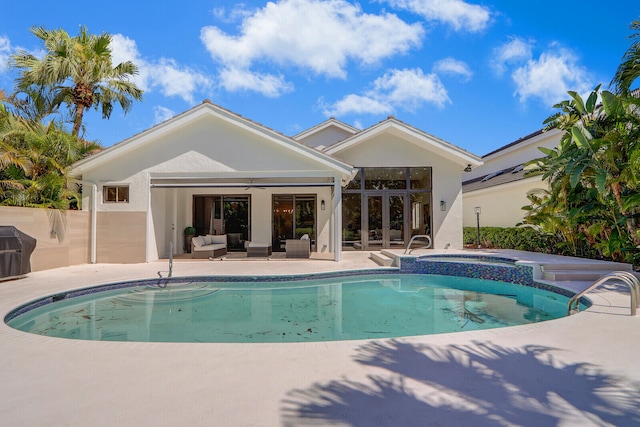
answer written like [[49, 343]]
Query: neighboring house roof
[[412, 134], [504, 176], [494, 172], [183, 119], [514, 143]]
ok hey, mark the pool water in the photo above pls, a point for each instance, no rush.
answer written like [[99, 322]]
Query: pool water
[[344, 308]]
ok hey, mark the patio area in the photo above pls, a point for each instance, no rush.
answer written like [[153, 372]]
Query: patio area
[[581, 370]]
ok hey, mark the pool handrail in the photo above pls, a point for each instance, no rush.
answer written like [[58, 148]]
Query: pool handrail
[[622, 276], [418, 236], [170, 262]]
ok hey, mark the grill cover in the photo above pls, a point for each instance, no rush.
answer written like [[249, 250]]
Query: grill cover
[[15, 252]]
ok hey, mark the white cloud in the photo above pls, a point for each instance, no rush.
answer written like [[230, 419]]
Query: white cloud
[[406, 89], [5, 52], [317, 36], [235, 14], [462, 16], [453, 66], [359, 104], [233, 79], [162, 114], [513, 51], [550, 77], [164, 74]]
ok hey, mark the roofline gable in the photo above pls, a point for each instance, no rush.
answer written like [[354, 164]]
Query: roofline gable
[[442, 147], [183, 119], [324, 125]]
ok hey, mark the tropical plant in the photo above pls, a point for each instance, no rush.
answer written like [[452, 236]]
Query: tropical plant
[[35, 161], [79, 73], [594, 176], [629, 69]]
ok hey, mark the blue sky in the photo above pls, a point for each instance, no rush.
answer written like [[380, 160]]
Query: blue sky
[[478, 74]]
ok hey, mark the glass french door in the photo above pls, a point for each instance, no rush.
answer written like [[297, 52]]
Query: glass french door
[[385, 215]]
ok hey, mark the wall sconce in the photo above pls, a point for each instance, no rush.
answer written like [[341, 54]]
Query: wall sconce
[[322, 205], [443, 205]]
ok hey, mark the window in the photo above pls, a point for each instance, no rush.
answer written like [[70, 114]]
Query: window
[[116, 193]]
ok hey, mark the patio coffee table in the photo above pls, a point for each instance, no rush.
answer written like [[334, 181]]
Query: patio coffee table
[[255, 249]]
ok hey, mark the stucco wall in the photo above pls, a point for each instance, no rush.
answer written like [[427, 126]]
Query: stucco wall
[[501, 205], [326, 137], [207, 147], [121, 237], [63, 236]]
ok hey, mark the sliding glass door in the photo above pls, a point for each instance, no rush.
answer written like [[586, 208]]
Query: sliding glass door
[[228, 215], [293, 216]]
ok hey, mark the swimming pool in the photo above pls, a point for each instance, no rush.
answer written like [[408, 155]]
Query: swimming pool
[[300, 309]]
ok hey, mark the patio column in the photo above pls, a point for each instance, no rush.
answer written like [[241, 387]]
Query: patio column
[[337, 219]]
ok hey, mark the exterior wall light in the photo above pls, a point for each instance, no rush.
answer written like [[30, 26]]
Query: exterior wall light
[[322, 205], [443, 205]]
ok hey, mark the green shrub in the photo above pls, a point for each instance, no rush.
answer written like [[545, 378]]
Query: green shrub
[[524, 239]]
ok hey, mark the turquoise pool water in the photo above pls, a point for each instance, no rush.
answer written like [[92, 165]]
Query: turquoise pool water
[[343, 308]]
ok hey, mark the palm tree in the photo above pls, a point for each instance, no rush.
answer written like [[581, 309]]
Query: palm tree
[[629, 69], [35, 160], [79, 72]]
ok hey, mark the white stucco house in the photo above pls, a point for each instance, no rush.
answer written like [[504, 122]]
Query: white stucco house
[[499, 187], [347, 189]]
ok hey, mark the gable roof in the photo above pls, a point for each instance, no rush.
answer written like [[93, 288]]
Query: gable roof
[[184, 119], [412, 134], [331, 122]]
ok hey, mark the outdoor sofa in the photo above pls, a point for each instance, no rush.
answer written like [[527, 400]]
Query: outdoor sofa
[[209, 246]]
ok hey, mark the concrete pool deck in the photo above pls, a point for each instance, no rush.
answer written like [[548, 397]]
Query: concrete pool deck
[[580, 370]]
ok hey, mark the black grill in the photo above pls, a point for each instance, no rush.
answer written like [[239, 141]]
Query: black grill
[[15, 252]]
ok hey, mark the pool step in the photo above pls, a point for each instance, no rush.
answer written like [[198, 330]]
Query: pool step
[[581, 271], [382, 259]]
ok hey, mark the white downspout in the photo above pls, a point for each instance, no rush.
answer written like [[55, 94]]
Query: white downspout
[[94, 218]]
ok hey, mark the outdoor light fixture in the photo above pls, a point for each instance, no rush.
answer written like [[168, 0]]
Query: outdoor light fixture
[[468, 168], [322, 205], [443, 205]]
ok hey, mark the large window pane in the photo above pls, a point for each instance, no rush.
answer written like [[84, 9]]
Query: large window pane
[[385, 178], [282, 220], [420, 178], [374, 209], [305, 211], [420, 213], [396, 220], [355, 183], [351, 221]]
